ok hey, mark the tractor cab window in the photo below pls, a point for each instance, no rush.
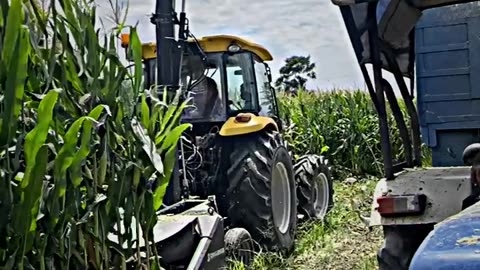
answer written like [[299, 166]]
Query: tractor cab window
[[241, 83], [203, 82], [149, 72], [266, 96]]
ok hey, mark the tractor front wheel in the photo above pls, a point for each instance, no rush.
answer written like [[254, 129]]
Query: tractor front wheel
[[239, 246], [262, 190], [315, 187]]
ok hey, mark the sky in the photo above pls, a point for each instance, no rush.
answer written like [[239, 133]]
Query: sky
[[285, 27]]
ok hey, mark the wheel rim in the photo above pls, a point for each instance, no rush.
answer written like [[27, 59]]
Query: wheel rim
[[281, 198], [321, 195]]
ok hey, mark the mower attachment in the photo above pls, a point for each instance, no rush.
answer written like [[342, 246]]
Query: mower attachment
[[193, 238], [188, 235]]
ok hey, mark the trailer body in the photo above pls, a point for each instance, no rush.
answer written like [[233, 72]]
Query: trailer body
[[448, 80]]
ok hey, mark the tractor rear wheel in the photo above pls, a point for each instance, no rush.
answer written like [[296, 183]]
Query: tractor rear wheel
[[262, 190], [315, 187]]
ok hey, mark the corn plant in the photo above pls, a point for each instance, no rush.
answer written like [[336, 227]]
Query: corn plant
[[86, 153], [342, 125]]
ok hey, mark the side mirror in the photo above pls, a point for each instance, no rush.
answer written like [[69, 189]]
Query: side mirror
[[471, 154]]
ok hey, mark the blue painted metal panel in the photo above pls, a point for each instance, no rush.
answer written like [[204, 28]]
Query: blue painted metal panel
[[454, 244], [448, 80]]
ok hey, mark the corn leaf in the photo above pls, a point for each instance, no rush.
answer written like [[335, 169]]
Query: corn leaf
[[159, 193], [66, 155], [136, 47], [172, 137], [145, 112], [173, 119], [169, 115], [1, 16], [84, 151], [33, 192], [102, 167], [25, 221], [72, 73], [15, 84], [12, 31], [37, 137], [147, 145]]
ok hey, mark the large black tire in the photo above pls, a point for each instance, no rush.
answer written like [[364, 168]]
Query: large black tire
[[315, 187], [400, 244], [252, 180]]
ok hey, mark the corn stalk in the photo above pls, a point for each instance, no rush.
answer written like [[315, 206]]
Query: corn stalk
[[86, 152]]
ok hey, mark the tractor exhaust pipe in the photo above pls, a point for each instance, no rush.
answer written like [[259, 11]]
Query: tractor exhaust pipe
[[168, 50]]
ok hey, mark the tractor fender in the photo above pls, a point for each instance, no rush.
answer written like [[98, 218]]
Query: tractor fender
[[246, 123]]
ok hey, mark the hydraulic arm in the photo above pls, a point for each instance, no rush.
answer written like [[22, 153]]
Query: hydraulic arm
[[169, 47]]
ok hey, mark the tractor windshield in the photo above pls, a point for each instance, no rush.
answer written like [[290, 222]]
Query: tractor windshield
[[226, 84], [203, 81], [266, 95], [241, 83]]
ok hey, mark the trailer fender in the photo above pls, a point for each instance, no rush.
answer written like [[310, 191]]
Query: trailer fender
[[444, 188]]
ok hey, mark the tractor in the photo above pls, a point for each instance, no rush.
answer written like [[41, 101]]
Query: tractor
[[234, 156]]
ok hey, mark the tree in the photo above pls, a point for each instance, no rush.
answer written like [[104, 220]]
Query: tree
[[295, 73]]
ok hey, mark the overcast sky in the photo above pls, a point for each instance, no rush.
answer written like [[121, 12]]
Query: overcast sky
[[285, 27]]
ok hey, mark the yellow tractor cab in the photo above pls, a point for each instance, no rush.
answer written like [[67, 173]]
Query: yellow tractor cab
[[225, 76]]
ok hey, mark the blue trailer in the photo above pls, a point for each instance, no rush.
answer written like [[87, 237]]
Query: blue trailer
[[430, 215], [448, 69]]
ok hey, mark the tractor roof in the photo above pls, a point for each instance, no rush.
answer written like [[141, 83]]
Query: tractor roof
[[217, 43]]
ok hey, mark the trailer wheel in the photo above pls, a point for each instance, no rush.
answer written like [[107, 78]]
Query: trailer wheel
[[239, 246], [262, 190], [315, 186], [400, 244]]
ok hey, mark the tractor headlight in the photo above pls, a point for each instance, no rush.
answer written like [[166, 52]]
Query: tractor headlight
[[234, 48]]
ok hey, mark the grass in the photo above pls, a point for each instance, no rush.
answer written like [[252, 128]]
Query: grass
[[343, 241]]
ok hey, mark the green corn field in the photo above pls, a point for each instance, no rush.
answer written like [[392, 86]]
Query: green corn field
[[343, 125]]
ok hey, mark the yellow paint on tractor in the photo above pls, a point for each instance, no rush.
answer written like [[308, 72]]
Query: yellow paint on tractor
[[232, 127], [149, 50], [218, 43]]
